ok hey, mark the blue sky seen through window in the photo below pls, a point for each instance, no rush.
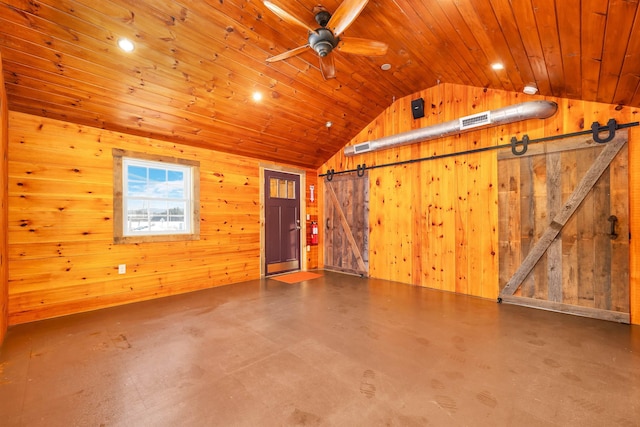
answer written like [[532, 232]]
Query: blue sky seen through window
[[155, 183]]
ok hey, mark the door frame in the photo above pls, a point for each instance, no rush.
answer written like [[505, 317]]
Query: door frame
[[303, 212]]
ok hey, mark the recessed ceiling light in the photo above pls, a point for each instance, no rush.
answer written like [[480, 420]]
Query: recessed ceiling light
[[126, 45], [385, 67], [497, 66], [257, 96], [328, 124]]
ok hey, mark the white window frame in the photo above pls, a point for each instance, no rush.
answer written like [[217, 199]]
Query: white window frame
[[191, 194]]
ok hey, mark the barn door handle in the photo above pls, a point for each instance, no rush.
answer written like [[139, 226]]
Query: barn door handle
[[327, 223], [613, 220]]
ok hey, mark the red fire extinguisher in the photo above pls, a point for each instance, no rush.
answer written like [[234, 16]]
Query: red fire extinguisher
[[314, 233]]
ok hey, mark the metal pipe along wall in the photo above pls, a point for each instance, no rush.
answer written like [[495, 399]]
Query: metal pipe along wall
[[500, 116]]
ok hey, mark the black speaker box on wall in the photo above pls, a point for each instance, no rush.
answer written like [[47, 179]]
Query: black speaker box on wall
[[417, 108]]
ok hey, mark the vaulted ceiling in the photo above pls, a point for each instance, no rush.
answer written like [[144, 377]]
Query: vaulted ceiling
[[197, 63]]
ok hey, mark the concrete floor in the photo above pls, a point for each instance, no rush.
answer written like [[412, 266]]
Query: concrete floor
[[338, 350]]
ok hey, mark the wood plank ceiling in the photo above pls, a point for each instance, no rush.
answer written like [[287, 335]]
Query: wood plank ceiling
[[197, 63]]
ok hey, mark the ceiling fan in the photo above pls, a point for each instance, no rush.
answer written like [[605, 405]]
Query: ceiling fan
[[325, 39]]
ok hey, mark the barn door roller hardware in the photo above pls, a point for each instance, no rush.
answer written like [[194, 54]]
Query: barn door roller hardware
[[500, 116], [596, 130]]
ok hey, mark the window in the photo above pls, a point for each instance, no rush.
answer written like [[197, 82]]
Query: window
[[156, 198], [282, 188]]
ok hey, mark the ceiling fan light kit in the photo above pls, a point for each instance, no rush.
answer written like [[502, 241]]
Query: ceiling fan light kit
[[326, 38]]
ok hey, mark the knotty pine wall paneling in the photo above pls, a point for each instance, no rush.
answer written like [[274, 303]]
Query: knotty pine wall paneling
[[4, 200], [312, 212], [62, 258], [435, 223]]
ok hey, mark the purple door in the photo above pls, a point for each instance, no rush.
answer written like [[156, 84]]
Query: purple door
[[282, 222]]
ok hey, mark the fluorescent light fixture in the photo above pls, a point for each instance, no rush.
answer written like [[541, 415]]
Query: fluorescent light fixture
[[126, 45]]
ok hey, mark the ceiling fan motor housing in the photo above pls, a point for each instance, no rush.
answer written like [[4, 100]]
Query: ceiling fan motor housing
[[323, 41]]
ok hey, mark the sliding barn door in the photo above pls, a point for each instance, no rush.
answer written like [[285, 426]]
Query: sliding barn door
[[564, 227], [346, 243]]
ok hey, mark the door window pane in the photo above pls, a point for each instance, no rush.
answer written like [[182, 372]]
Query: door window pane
[[291, 189], [282, 189], [273, 188]]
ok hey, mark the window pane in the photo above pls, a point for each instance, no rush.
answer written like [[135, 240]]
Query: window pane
[[176, 185], [158, 175], [157, 183], [273, 188], [291, 191], [137, 173], [137, 215], [282, 191], [157, 209], [136, 205], [136, 189], [176, 217], [136, 180], [176, 191], [175, 176], [177, 209]]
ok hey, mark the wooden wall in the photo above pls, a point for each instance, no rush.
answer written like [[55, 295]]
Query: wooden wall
[[435, 223], [312, 212], [62, 258], [4, 266]]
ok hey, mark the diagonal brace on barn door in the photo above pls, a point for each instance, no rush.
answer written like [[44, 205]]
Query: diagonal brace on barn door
[[346, 228], [605, 158]]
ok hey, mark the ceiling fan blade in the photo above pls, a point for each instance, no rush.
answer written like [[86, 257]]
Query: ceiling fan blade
[[288, 54], [287, 17], [327, 67], [359, 46], [345, 14]]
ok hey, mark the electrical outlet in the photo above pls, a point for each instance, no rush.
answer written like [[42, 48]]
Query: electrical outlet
[[122, 268]]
